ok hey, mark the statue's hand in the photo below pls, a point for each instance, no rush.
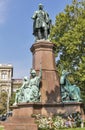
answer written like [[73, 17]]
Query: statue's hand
[[32, 18]]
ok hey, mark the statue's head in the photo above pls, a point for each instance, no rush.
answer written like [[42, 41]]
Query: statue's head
[[64, 72], [25, 78], [33, 73], [40, 6]]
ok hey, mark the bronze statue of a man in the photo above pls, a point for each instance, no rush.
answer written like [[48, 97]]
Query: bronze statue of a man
[[41, 24]]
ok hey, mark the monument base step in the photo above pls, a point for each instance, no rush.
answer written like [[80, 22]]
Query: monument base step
[[19, 123], [22, 118], [20, 126]]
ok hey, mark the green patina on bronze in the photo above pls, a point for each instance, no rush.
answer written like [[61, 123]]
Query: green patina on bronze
[[41, 24], [69, 92], [30, 89]]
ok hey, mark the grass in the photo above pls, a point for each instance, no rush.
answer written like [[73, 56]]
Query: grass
[[67, 129], [1, 128], [73, 129]]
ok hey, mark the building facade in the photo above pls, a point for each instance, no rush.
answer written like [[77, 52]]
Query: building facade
[[7, 83]]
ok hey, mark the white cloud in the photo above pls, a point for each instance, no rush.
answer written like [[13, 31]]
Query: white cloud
[[3, 10]]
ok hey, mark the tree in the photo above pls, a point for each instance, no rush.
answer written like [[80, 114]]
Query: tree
[[3, 102], [68, 34], [12, 99]]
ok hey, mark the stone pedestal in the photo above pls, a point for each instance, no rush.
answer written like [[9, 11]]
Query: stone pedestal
[[20, 124], [43, 57], [22, 113]]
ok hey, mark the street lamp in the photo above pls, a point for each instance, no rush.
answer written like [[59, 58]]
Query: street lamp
[[7, 100]]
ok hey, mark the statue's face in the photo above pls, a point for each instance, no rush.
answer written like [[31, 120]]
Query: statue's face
[[33, 74]]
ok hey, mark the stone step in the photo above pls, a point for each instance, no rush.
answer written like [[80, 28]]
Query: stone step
[[20, 126], [20, 120]]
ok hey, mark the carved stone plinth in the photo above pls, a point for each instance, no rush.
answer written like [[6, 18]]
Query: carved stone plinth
[[43, 57], [47, 109], [22, 113]]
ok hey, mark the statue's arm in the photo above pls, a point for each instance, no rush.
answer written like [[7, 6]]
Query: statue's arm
[[22, 86], [47, 17], [34, 15], [40, 74]]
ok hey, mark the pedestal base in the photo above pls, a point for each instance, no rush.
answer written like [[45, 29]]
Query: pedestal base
[[22, 113], [20, 126], [47, 109], [21, 118]]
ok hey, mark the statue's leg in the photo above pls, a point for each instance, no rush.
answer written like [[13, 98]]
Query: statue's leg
[[39, 34], [36, 35], [16, 99], [36, 38], [78, 93], [45, 33]]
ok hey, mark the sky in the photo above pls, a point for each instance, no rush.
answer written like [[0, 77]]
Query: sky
[[16, 27]]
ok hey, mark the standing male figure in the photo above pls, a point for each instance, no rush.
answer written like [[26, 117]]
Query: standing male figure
[[42, 24]]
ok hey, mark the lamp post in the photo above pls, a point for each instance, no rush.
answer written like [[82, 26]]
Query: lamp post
[[8, 92], [7, 100]]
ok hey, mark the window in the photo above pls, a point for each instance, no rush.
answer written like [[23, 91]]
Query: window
[[4, 75]]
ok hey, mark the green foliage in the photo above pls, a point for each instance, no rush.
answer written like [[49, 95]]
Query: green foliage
[[12, 99], [3, 102], [1, 127], [74, 129], [64, 129], [68, 34]]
